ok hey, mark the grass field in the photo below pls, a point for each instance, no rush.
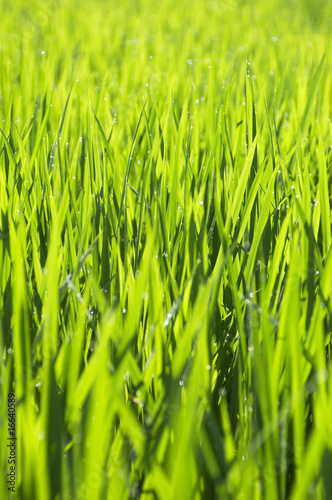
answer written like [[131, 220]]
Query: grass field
[[165, 249]]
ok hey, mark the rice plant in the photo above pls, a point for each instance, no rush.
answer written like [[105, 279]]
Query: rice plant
[[165, 250]]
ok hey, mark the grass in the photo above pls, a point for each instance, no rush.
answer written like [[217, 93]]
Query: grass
[[165, 249]]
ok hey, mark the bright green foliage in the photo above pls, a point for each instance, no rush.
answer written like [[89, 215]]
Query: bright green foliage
[[165, 248]]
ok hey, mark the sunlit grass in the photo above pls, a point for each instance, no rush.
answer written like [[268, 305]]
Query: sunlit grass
[[165, 249]]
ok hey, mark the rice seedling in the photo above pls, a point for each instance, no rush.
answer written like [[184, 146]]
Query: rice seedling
[[165, 250]]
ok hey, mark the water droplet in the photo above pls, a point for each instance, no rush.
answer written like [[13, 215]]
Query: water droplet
[[222, 392]]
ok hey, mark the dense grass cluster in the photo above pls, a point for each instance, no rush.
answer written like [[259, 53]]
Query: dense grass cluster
[[165, 249]]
